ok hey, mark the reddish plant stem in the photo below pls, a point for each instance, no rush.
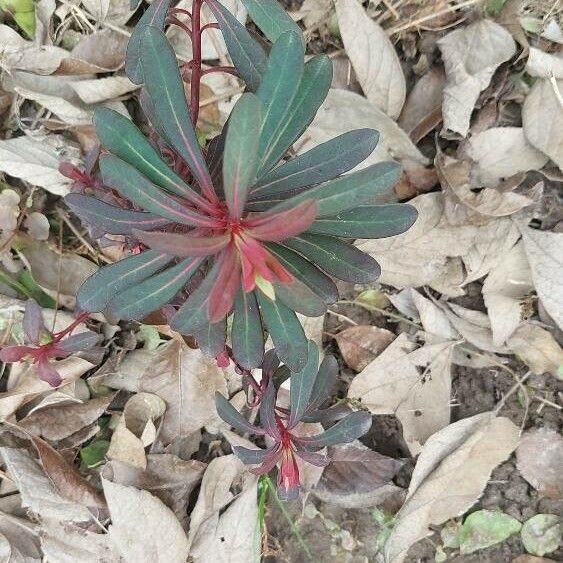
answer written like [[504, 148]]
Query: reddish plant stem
[[196, 66], [226, 69], [210, 26], [57, 336]]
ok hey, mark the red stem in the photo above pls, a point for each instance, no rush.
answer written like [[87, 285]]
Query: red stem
[[57, 336], [196, 66], [227, 69]]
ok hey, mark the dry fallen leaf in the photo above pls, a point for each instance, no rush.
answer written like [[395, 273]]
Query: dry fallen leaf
[[373, 57], [359, 345], [544, 65], [21, 535], [143, 528], [413, 384], [539, 459], [313, 12], [450, 475], [471, 55], [99, 90]]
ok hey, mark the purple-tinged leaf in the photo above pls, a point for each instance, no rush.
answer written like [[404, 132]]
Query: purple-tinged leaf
[[211, 338], [270, 362], [301, 385], [271, 460], [222, 294], [347, 430], [183, 245], [232, 417], [48, 373], [314, 458], [268, 412], [79, 342], [95, 293], [32, 322], [110, 219], [10, 354], [252, 457], [300, 298], [247, 335], [274, 227], [324, 383]]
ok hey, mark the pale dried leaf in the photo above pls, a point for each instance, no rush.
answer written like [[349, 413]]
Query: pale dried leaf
[[539, 459], [102, 89], [373, 57], [544, 65], [394, 384], [450, 475], [552, 31], [143, 528], [22, 537], [37, 225], [313, 12], [542, 118], [543, 250], [359, 345], [471, 55]]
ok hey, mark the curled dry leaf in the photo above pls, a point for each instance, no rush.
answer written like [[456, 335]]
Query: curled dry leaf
[[357, 477], [143, 528], [373, 57], [413, 384], [471, 55], [312, 12], [359, 345], [539, 459], [21, 537], [450, 475]]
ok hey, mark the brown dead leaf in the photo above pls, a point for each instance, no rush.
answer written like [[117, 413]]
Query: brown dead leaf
[[359, 345], [539, 459], [450, 475], [532, 559], [357, 477], [471, 55]]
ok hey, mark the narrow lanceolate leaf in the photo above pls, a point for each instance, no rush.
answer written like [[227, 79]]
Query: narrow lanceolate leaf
[[211, 338], [368, 221], [136, 188], [279, 87], [247, 336], [347, 430], [231, 416], [182, 245], [300, 298], [214, 159], [324, 383], [110, 219], [336, 258], [32, 323], [154, 292], [270, 18], [306, 272], [164, 86], [246, 53], [301, 386], [252, 457], [78, 342], [348, 191], [320, 164], [314, 86], [286, 332], [279, 226], [240, 159], [95, 293], [155, 15], [122, 138], [222, 294], [267, 412]]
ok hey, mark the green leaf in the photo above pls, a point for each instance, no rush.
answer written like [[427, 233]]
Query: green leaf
[[336, 257], [347, 430], [246, 53], [301, 386], [314, 86], [300, 298], [270, 18], [155, 15], [94, 453], [541, 534], [324, 382], [320, 164], [211, 337], [122, 138], [231, 416], [247, 335], [23, 12], [278, 89], [127, 180], [154, 292], [484, 528], [286, 332], [305, 272], [165, 88], [95, 293], [368, 221], [348, 191], [240, 159]]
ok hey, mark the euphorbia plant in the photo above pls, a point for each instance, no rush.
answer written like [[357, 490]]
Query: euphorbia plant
[[227, 229]]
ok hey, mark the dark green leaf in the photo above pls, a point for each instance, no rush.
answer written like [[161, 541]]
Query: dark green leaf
[[246, 53], [165, 88], [154, 292], [348, 191], [369, 221], [306, 272], [183, 245], [211, 337], [301, 386], [324, 383], [320, 164], [240, 159], [94, 453], [247, 336], [231, 416], [347, 430], [300, 298], [110, 219], [336, 257], [278, 89], [251, 457], [270, 18], [268, 413], [314, 86], [155, 15], [286, 332], [96, 292]]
